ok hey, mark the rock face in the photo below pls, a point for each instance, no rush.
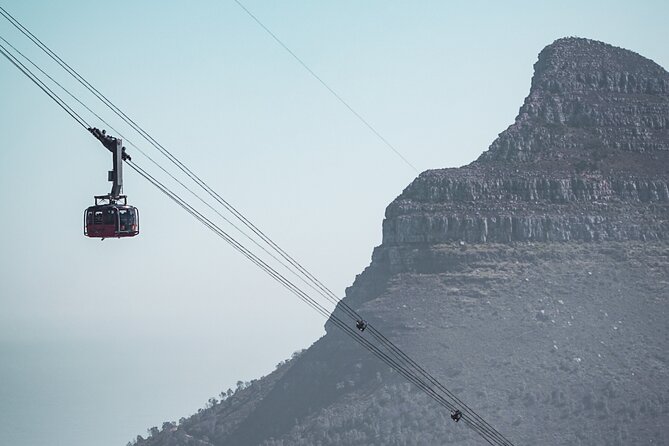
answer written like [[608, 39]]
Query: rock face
[[587, 159], [446, 206], [534, 283], [588, 99]]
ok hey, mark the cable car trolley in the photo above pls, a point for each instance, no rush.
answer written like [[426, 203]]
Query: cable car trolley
[[112, 216]]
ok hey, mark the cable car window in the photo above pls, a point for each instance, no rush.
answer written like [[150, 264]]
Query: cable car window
[[98, 217], [127, 217], [109, 217]]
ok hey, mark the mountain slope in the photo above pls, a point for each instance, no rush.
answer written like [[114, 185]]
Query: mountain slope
[[534, 283]]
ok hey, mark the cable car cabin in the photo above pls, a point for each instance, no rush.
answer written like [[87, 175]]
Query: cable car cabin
[[111, 220]]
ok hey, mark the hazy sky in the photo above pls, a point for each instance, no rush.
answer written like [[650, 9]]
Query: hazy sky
[[438, 79]]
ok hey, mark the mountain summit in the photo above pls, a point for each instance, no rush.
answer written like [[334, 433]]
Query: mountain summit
[[589, 102], [533, 283]]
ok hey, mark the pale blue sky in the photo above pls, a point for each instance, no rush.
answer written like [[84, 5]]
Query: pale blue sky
[[438, 79]]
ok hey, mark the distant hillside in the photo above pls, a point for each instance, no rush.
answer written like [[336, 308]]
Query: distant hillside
[[533, 282]]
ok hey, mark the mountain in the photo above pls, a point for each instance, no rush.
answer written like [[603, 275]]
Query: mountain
[[533, 283]]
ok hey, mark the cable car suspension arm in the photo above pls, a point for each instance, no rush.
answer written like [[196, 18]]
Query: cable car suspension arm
[[115, 146]]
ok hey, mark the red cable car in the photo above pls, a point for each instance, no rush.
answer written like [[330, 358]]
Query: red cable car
[[112, 216], [111, 220]]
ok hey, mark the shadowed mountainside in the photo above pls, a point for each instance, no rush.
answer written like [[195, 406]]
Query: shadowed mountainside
[[534, 283]]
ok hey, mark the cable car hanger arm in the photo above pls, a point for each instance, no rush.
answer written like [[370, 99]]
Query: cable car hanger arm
[[115, 146]]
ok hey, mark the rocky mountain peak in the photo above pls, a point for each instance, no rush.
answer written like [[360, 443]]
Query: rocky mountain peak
[[588, 101], [580, 65], [587, 159], [532, 282]]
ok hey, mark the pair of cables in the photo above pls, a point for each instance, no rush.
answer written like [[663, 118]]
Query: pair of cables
[[342, 315]]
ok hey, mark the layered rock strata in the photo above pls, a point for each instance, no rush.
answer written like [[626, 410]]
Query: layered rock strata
[[586, 159]]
